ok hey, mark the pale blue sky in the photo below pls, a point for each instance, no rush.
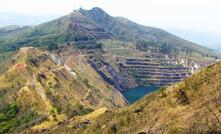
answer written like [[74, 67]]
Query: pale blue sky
[[196, 20]]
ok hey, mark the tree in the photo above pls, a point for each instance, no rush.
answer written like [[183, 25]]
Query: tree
[[146, 45], [52, 45], [165, 48]]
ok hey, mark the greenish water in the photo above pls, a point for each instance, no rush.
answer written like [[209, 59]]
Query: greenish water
[[136, 93]]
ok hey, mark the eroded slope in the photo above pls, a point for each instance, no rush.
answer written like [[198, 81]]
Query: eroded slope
[[191, 106], [38, 93]]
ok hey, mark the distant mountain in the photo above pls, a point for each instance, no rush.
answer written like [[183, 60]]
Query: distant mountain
[[95, 24], [23, 20], [191, 106], [125, 29], [9, 28]]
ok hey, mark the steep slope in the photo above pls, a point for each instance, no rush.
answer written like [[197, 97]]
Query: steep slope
[[127, 30], [148, 55], [37, 92], [191, 106]]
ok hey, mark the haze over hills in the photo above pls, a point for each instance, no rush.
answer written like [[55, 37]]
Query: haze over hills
[[207, 39], [61, 75], [219, 49], [24, 20]]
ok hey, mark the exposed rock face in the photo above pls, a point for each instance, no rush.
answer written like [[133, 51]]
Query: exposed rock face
[[155, 69], [121, 81]]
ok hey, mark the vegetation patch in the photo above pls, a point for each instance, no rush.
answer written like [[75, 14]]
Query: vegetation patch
[[9, 118], [182, 97], [162, 92], [84, 111]]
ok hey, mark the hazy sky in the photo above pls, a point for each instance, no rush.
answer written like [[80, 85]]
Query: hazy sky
[[196, 20]]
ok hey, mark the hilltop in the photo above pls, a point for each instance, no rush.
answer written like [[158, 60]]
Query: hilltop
[[191, 106], [125, 29]]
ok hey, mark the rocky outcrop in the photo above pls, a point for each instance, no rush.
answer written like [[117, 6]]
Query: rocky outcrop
[[120, 81]]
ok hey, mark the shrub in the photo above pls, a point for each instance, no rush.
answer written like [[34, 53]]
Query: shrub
[[113, 127], [162, 91], [165, 49], [7, 118], [52, 45], [70, 111], [182, 98], [84, 111], [53, 112], [145, 45]]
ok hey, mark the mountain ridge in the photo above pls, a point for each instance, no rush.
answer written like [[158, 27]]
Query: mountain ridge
[[49, 91], [96, 12], [129, 29]]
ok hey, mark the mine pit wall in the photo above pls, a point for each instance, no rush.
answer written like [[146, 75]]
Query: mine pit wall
[[137, 72], [155, 72], [119, 80], [134, 72], [142, 72]]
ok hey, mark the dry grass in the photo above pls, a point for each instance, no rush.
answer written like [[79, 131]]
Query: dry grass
[[164, 111], [35, 82]]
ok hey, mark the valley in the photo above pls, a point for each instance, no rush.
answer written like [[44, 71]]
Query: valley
[[79, 72]]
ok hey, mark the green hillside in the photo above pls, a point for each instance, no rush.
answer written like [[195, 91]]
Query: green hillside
[[91, 26], [125, 29]]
